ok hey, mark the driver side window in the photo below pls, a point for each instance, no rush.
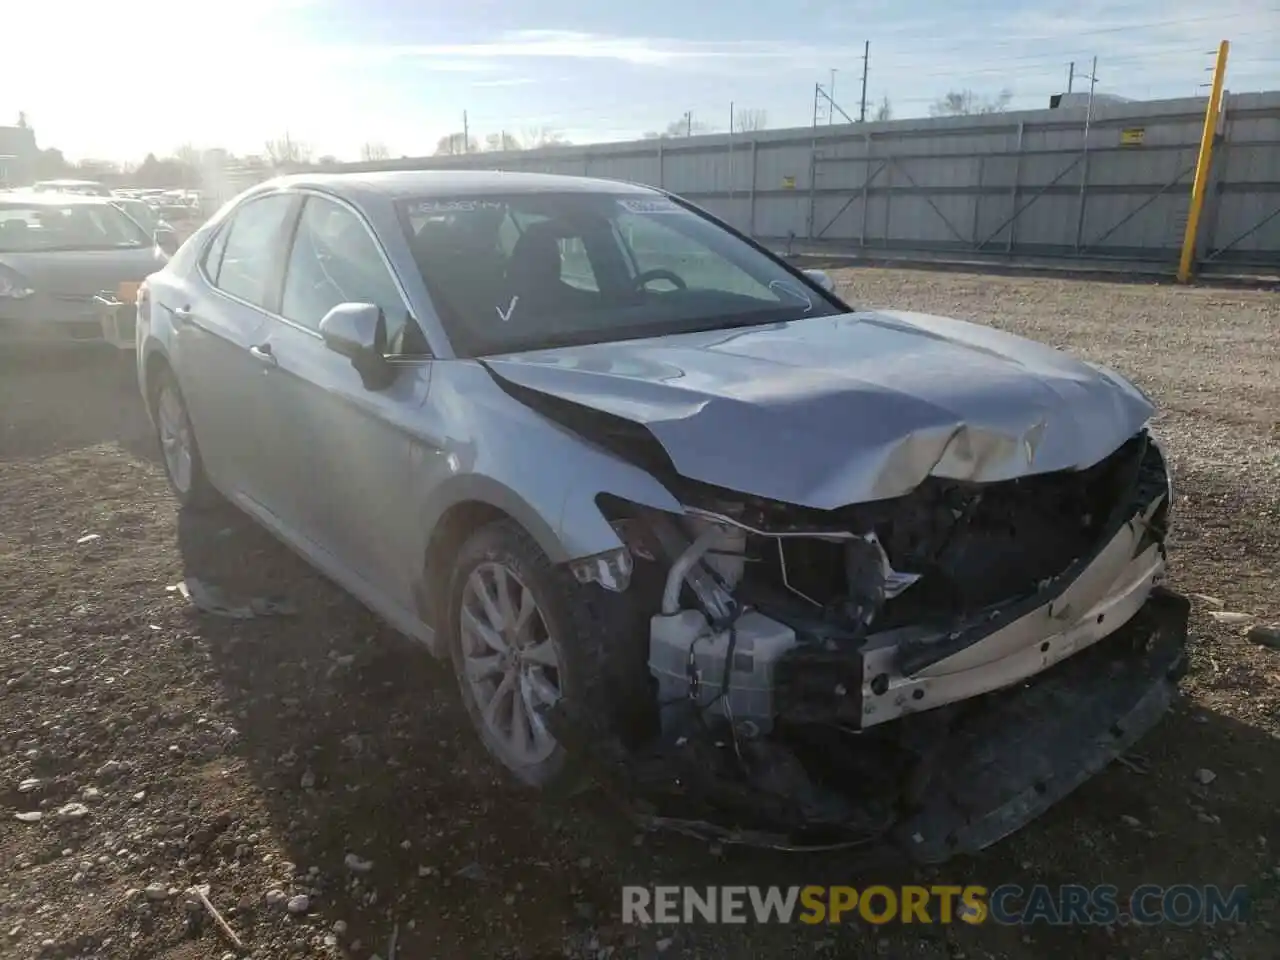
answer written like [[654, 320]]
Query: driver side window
[[334, 260]]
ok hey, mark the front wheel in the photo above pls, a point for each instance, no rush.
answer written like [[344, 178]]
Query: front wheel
[[520, 637]]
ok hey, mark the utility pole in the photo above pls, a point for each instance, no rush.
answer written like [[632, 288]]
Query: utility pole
[[466, 134], [1071, 75], [831, 92], [688, 123], [1204, 163], [866, 58], [1084, 151]]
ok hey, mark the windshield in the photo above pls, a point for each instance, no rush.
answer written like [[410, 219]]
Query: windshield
[[535, 270], [74, 226]]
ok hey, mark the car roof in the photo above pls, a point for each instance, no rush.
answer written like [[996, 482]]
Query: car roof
[[51, 200], [403, 184]]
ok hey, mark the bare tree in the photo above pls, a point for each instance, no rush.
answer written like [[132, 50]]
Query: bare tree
[[374, 150], [536, 137], [452, 144], [686, 126], [187, 154], [500, 142], [286, 151], [749, 120], [965, 103]]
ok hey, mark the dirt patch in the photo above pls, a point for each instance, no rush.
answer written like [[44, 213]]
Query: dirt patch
[[257, 755]]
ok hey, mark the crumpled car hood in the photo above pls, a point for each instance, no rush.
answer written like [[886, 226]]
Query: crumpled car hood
[[830, 411]]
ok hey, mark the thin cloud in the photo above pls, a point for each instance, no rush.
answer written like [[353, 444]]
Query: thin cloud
[[505, 82]]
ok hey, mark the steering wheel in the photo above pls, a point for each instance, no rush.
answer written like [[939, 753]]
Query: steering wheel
[[648, 276]]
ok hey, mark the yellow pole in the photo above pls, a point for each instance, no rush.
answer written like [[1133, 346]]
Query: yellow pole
[[1201, 182]]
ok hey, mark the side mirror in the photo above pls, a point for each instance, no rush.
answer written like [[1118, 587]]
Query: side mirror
[[358, 331], [821, 278], [167, 240]]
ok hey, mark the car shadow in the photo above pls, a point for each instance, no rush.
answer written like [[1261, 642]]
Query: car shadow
[[358, 742]]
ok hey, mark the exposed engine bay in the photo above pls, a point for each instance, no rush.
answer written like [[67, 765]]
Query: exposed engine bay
[[937, 668]]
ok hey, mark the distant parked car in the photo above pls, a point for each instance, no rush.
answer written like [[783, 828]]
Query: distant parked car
[[676, 511], [149, 219], [89, 188], [60, 256]]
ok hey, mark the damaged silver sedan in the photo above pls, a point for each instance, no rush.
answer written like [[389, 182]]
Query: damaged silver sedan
[[776, 567]]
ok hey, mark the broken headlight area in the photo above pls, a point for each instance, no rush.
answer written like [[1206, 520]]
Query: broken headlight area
[[817, 676]]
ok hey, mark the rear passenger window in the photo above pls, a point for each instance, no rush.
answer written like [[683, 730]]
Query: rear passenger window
[[213, 256], [253, 250]]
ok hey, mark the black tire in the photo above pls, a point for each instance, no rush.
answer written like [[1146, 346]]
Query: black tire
[[199, 494], [572, 626]]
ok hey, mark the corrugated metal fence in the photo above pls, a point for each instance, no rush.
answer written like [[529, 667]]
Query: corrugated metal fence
[[1028, 185]]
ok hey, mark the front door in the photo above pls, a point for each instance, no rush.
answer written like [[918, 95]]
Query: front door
[[350, 450]]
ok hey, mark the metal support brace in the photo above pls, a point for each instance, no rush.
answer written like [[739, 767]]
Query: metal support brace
[[1032, 199], [929, 200], [1138, 209], [848, 203]]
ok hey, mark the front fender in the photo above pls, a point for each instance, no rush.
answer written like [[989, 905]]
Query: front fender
[[491, 448]]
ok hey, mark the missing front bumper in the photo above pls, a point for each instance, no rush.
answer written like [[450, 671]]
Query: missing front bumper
[[1028, 748], [986, 769]]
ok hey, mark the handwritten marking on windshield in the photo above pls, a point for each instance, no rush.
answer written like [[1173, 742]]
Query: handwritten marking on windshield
[[504, 317]]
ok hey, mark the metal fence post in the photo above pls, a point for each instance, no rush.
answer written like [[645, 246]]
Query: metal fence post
[[866, 188], [661, 172], [1213, 199], [977, 203], [1013, 189], [813, 184], [751, 202], [888, 200]]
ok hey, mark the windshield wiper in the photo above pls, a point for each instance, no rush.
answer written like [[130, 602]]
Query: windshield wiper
[[733, 321]]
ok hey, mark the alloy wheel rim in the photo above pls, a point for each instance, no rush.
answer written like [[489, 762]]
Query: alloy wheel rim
[[510, 661], [175, 439]]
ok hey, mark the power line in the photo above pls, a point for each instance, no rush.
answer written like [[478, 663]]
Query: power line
[[926, 45]]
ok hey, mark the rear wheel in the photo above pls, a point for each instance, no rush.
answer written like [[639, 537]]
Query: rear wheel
[[178, 448]]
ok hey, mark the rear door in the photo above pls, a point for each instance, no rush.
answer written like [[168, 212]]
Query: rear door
[[220, 326], [350, 450]]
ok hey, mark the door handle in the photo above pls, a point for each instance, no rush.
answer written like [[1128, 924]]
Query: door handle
[[181, 314], [263, 352]]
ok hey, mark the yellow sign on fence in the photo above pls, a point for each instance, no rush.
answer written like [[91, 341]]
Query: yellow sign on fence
[[788, 183], [1132, 137]]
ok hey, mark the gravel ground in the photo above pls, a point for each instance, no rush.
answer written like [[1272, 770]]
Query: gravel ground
[[316, 770]]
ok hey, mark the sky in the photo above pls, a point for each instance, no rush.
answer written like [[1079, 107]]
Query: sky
[[117, 80]]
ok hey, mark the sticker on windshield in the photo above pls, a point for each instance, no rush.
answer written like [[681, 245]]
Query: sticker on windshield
[[427, 207], [650, 205]]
